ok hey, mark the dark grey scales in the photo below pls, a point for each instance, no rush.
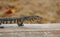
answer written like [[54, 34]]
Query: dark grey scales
[[19, 20]]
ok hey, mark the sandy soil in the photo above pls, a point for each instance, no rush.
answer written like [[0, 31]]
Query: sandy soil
[[49, 10]]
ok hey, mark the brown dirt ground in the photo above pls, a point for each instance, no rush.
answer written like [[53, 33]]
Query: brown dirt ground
[[49, 10]]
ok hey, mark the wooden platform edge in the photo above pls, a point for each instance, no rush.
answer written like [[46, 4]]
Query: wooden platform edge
[[28, 29]]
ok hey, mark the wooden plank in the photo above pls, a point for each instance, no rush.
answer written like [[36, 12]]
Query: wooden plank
[[27, 29], [29, 32]]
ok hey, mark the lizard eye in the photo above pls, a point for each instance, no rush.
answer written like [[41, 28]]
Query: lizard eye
[[39, 17]]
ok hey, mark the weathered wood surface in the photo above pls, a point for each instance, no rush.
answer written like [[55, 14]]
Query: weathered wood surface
[[29, 32], [27, 29]]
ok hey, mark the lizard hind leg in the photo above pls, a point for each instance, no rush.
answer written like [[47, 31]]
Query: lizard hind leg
[[0, 23], [1, 26]]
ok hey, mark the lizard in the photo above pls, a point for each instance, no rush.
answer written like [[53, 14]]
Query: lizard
[[19, 20]]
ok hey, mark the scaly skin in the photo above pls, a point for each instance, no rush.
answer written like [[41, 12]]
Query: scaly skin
[[19, 21]]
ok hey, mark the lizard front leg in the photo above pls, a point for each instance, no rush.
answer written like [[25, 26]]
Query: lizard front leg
[[21, 20]]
